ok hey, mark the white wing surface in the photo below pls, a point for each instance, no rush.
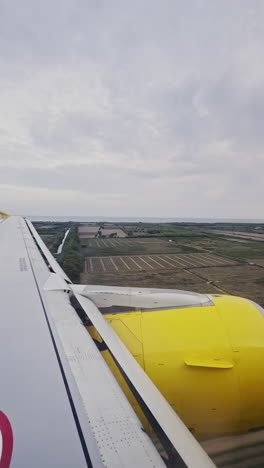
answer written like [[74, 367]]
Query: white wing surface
[[60, 406]]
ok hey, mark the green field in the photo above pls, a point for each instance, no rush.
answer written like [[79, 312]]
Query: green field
[[128, 246], [52, 233], [245, 278], [231, 248]]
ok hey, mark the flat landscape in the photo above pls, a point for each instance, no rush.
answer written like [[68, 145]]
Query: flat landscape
[[224, 258], [89, 232], [243, 235], [153, 262], [130, 246], [86, 232]]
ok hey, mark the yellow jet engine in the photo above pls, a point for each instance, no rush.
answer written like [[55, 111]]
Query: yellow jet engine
[[207, 360]]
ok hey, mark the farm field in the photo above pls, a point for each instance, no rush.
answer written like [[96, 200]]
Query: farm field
[[175, 279], [52, 234], [245, 250], [205, 263], [153, 262], [239, 280], [119, 232], [258, 261], [191, 259], [243, 235], [87, 232], [158, 230], [242, 280], [128, 246]]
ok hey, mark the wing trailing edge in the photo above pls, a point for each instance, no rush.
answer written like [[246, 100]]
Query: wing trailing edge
[[181, 438]]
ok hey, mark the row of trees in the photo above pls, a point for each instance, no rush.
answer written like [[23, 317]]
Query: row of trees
[[70, 259]]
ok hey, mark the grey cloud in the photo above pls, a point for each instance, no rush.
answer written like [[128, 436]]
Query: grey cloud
[[159, 100], [80, 178]]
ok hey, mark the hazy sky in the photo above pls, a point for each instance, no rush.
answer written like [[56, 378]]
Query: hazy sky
[[132, 108]]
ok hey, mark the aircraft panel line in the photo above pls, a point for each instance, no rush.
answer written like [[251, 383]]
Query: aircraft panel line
[[64, 378]]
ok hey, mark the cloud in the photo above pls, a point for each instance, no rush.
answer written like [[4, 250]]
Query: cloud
[[143, 108]]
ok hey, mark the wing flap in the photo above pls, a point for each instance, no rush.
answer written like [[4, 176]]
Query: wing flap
[[185, 444]]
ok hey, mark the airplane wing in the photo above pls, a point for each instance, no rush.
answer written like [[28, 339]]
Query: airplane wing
[[60, 405]]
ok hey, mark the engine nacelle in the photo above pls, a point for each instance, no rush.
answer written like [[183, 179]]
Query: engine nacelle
[[208, 361]]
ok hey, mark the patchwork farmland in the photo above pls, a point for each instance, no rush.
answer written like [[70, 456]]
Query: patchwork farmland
[[180, 256], [206, 265], [90, 232], [152, 262], [128, 246]]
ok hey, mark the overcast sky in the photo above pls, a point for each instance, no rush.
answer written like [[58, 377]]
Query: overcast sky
[[132, 108]]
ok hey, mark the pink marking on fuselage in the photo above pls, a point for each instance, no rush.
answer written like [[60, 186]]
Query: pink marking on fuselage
[[7, 441]]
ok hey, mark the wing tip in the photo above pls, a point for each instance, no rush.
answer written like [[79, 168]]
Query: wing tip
[[4, 215]]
